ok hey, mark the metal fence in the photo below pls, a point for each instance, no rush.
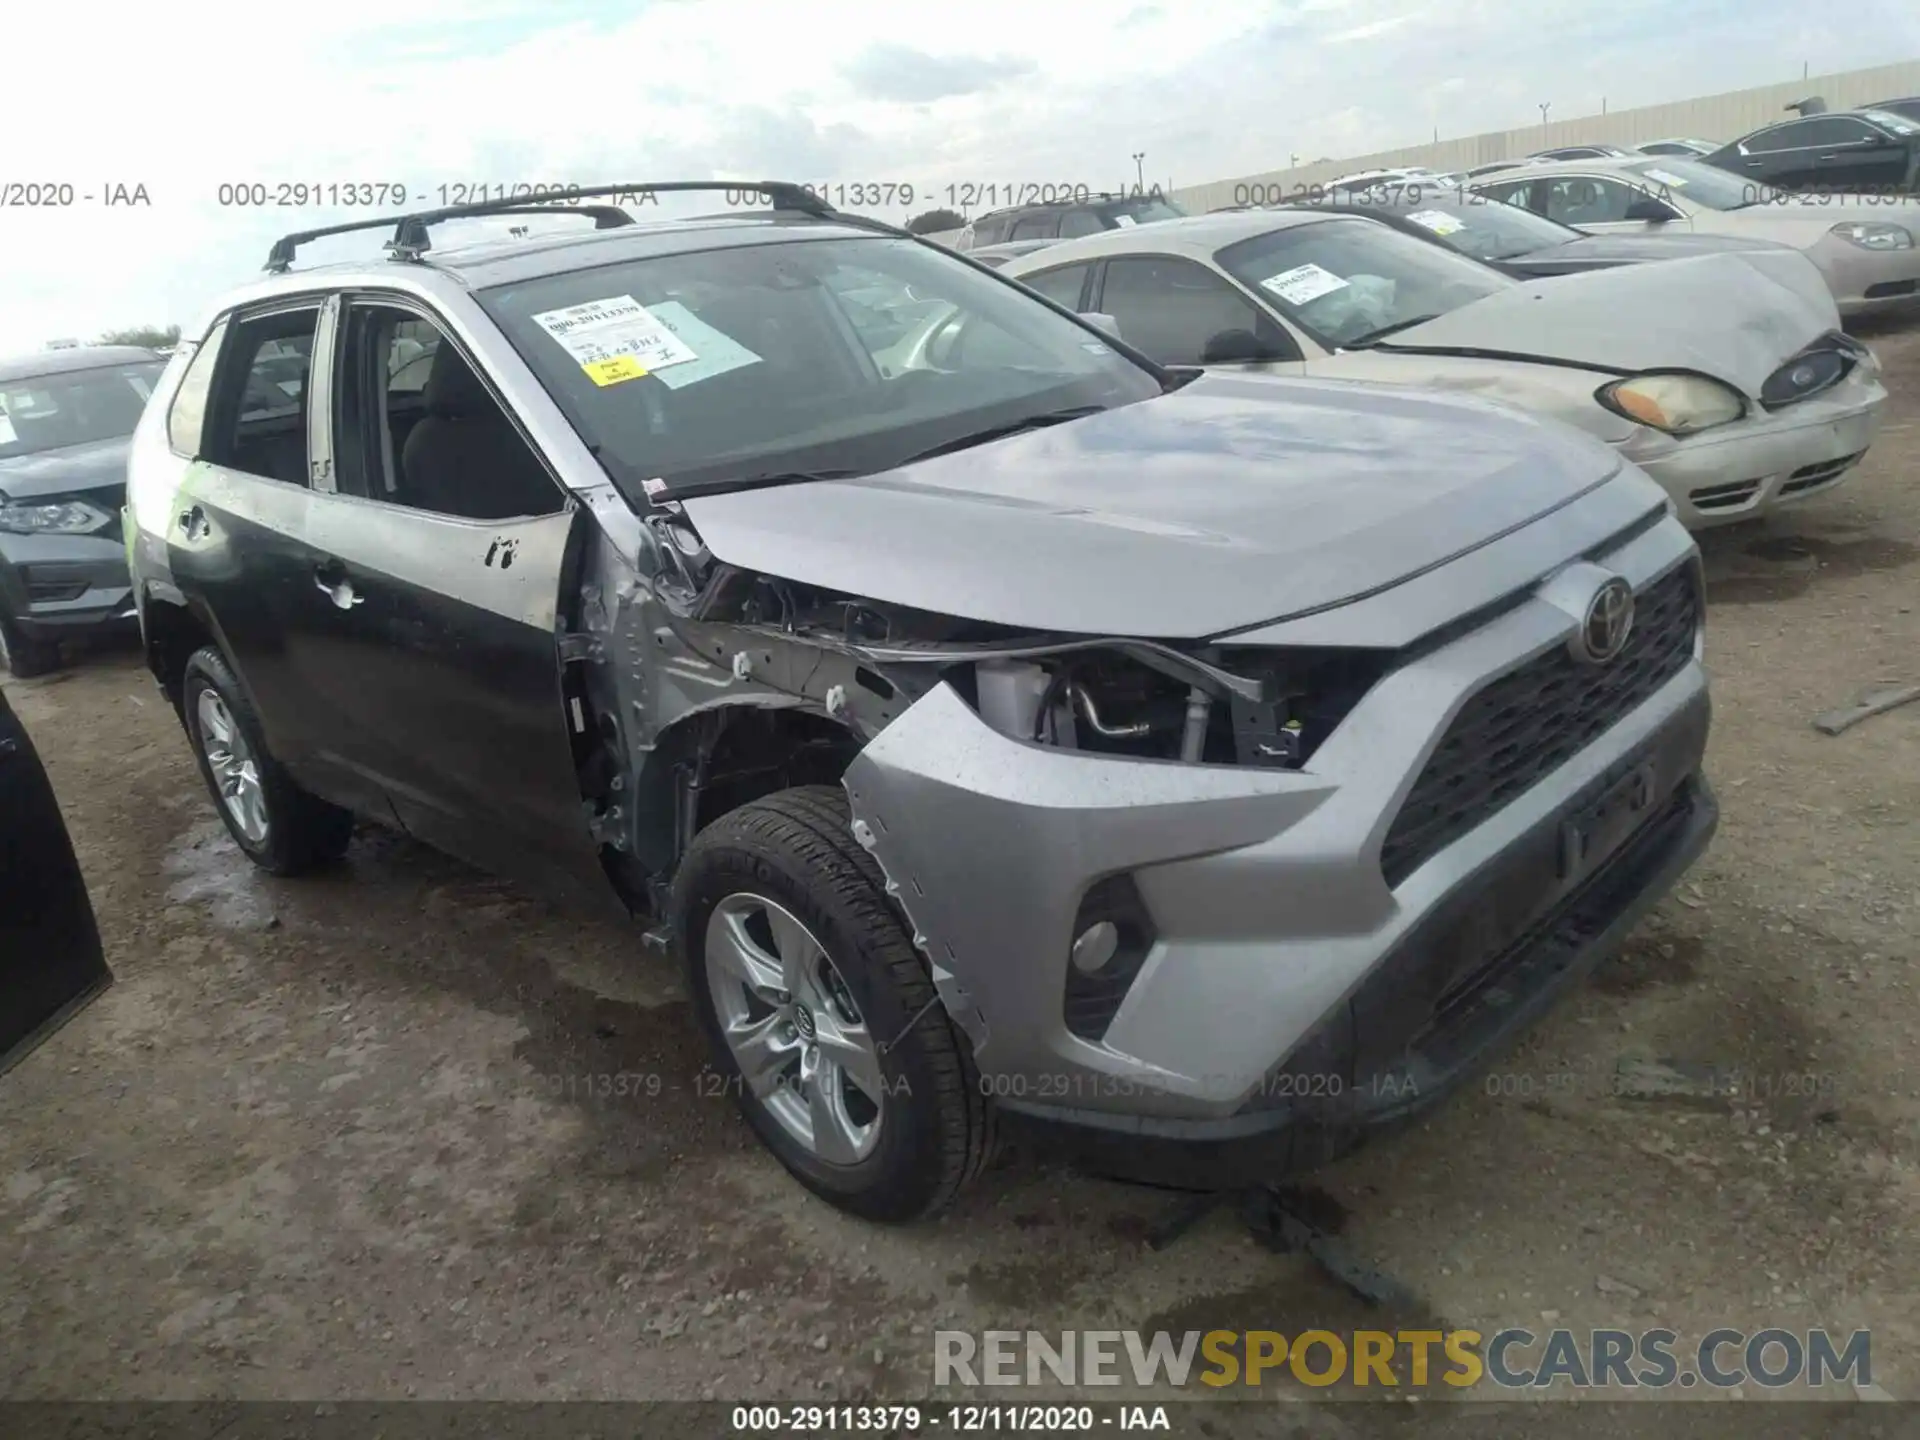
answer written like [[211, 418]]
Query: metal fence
[[1708, 117]]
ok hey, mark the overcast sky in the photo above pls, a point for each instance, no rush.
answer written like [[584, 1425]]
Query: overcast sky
[[184, 96]]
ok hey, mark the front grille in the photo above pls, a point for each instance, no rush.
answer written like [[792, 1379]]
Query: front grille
[[1531, 721], [1811, 477]]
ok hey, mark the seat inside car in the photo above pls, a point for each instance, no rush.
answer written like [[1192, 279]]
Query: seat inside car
[[465, 457]]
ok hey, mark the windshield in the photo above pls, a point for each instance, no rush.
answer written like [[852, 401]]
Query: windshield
[[717, 368], [51, 412], [1484, 229], [1707, 185], [1345, 281], [1892, 120]]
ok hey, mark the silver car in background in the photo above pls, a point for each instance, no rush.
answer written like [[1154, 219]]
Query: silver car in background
[[1725, 377], [1868, 249]]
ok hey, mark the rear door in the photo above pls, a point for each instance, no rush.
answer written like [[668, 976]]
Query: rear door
[[51, 963], [443, 571], [238, 540], [1784, 155]]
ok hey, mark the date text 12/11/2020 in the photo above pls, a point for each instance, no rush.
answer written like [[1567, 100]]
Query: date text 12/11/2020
[[393, 194]]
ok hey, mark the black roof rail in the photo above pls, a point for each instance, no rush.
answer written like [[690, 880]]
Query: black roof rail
[[410, 241]]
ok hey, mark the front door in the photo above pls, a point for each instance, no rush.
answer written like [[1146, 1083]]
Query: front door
[[51, 964], [444, 566]]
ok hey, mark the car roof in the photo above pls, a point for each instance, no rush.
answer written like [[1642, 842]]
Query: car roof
[[1196, 236], [75, 357], [1623, 167], [483, 263]]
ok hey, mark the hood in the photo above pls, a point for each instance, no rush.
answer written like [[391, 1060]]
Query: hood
[[1734, 317], [1653, 245], [1233, 500], [1803, 222], [96, 465]]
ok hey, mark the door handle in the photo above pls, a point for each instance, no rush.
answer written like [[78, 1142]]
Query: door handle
[[331, 580], [194, 523]]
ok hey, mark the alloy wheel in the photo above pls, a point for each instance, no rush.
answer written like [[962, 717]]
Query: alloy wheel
[[236, 773], [800, 1042]]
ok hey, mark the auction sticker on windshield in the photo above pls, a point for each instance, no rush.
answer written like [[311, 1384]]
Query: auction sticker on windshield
[[615, 339], [1666, 178], [718, 352], [1303, 284], [1438, 221]]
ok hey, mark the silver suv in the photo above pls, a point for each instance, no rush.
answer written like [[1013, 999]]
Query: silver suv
[[1204, 771]]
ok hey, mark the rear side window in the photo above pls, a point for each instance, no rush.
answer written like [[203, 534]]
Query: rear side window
[[187, 420], [1061, 285], [259, 423], [1079, 222], [1036, 227]]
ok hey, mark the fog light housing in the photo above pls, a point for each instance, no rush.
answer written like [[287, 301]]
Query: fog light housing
[[1112, 935]]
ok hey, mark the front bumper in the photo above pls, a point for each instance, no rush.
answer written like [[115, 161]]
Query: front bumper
[[56, 586], [1745, 469], [1866, 282], [1266, 888]]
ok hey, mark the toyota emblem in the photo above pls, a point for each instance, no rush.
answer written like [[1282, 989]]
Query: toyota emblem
[[1608, 622]]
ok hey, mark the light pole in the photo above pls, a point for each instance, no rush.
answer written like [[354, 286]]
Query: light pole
[[1140, 171], [1543, 121]]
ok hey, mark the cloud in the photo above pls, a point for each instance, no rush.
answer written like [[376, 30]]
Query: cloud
[[899, 72], [445, 93]]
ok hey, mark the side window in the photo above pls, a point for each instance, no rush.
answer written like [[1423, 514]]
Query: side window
[[1035, 227], [1782, 137], [1079, 222], [1181, 313], [1509, 192], [990, 230], [259, 423], [1062, 285], [1843, 130], [1587, 200], [414, 425], [187, 419]]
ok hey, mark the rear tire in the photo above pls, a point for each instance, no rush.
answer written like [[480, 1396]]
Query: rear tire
[[787, 868], [283, 829], [23, 658]]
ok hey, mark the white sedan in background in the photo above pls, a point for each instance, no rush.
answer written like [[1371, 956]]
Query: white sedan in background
[[1726, 377], [1867, 247]]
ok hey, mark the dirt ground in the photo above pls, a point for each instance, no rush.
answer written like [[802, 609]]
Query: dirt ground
[[368, 1135]]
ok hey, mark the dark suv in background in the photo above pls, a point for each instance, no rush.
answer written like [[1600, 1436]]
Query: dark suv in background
[[1062, 220], [65, 419]]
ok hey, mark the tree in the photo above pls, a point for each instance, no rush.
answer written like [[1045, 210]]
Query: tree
[[148, 337], [932, 222]]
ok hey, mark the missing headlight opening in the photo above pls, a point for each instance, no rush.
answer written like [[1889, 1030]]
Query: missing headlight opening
[[1109, 702]]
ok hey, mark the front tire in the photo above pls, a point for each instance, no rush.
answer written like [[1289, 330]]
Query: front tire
[[283, 829], [821, 1015], [23, 658]]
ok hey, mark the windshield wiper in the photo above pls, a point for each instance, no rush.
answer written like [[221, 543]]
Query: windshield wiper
[[1373, 337], [1012, 427], [749, 482]]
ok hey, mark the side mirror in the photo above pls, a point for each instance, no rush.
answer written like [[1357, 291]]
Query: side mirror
[[1648, 209], [1102, 321]]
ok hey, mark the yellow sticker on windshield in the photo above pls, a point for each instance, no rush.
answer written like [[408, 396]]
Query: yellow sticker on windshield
[[613, 370]]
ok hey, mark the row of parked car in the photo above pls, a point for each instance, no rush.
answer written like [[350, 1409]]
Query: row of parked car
[[1873, 149], [1659, 304], [1067, 697]]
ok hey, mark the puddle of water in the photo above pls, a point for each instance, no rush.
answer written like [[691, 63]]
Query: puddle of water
[[208, 867]]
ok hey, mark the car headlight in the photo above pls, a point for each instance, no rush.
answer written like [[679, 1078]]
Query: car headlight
[[1677, 404], [1875, 236], [51, 517]]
